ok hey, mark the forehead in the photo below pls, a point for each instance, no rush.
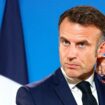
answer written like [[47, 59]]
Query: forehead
[[75, 31]]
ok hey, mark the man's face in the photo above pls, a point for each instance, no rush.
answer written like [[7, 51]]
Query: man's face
[[77, 47]]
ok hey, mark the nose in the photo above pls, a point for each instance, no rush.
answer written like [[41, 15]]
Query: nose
[[72, 52]]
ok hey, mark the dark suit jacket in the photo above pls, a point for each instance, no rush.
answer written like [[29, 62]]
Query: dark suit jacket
[[53, 91]]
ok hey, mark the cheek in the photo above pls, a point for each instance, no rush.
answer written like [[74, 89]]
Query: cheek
[[63, 54], [89, 59]]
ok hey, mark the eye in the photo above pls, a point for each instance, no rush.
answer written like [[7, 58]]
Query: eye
[[82, 45], [65, 42]]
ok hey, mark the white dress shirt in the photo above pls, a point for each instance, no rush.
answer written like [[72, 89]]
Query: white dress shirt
[[77, 92]]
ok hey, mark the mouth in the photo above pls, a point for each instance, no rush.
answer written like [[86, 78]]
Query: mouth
[[72, 66]]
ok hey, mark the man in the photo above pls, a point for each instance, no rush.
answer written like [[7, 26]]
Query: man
[[81, 40]]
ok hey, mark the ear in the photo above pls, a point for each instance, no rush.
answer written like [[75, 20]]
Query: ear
[[101, 50]]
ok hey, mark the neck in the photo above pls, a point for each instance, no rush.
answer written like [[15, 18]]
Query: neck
[[79, 79]]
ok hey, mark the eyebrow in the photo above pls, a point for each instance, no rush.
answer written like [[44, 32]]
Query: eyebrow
[[83, 41], [63, 38], [78, 42]]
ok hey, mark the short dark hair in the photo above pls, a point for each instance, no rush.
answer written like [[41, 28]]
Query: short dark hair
[[85, 15]]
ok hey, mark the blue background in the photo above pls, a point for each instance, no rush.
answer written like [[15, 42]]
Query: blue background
[[40, 26]]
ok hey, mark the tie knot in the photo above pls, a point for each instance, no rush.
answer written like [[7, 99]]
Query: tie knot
[[84, 86]]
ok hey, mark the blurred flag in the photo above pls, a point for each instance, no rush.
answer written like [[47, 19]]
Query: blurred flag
[[8, 90], [12, 51]]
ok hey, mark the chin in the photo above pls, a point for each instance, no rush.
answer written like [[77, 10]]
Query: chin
[[74, 75]]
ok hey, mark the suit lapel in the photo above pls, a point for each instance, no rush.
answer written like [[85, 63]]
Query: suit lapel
[[64, 93], [62, 89], [100, 87]]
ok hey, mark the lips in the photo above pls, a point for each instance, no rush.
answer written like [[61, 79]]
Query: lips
[[72, 66]]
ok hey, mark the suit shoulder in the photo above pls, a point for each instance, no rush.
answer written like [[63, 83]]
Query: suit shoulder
[[45, 87], [40, 85], [32, 91]]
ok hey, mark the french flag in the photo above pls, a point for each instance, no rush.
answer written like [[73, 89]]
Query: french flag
[[13, 64]]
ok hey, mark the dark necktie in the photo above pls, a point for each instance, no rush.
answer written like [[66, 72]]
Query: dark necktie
[[87, 97]]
